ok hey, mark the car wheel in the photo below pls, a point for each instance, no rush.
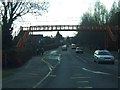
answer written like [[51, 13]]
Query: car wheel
[[98, 62], [113, 63], [94, 60]]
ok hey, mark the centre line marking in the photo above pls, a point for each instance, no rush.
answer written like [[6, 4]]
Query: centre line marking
[[52, 75], [83, 81], [85, 87], [35, 86], [78, 77]]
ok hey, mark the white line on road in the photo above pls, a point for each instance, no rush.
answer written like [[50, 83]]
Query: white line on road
[[41, 80], [98, 72], [118, 76], [78, 77], [82, 81], [58, 61], [85, 87], [50, 67], [52, 75], [59, 58]]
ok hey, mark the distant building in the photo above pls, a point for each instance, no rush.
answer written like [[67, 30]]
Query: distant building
[[58, 37], [34, 41]]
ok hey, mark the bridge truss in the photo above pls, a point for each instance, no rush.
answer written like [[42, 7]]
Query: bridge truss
[[103, 28]]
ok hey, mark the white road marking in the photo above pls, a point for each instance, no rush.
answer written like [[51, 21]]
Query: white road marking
[[82, 81], [50, 67], [52, 75], [53, 52], [118, 76], [58, 61], [78, 77], [59, 58], [85, 87], [98, 72], [41, 80]]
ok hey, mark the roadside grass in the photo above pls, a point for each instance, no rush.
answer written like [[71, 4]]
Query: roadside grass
[[6, 73]]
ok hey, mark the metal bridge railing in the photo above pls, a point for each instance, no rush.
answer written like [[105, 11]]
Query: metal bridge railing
[[65, 28]]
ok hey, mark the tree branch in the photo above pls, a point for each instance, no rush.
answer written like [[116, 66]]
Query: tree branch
[[17, 6]]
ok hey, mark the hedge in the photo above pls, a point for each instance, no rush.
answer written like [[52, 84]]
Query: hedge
[[15, 57]]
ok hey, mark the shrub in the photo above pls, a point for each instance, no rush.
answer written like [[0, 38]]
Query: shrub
[[15, 57]]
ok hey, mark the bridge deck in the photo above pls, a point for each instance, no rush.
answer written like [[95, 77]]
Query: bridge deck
[[65, 28]]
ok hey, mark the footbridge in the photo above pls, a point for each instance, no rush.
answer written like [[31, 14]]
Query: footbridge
[[102, 28], [67, 28]]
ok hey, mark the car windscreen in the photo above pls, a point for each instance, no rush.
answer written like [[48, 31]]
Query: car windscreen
[[104, 53]]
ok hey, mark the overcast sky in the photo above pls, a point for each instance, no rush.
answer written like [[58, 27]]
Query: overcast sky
[[64, 12]]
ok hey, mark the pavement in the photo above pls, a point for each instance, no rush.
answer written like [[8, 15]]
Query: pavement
[[33, 73]]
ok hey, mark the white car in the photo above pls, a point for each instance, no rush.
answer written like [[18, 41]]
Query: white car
[[73, 46], [64, 47], [78, 50], [103, 56]]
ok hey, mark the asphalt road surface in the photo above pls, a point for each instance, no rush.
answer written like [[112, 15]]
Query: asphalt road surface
[[66, 69], [79, 71]]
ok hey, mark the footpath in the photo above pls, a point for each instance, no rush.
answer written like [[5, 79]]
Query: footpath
[[32, 74]]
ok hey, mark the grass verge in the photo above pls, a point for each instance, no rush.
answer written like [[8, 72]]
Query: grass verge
[[6, 73]]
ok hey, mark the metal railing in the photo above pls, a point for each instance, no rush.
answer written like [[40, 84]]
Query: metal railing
[[65, 28]]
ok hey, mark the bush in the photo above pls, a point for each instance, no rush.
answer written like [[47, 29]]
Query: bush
[[15, 57]]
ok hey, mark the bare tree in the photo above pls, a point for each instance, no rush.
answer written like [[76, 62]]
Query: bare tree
[[114, 12], [11, 10], [100, 13]]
